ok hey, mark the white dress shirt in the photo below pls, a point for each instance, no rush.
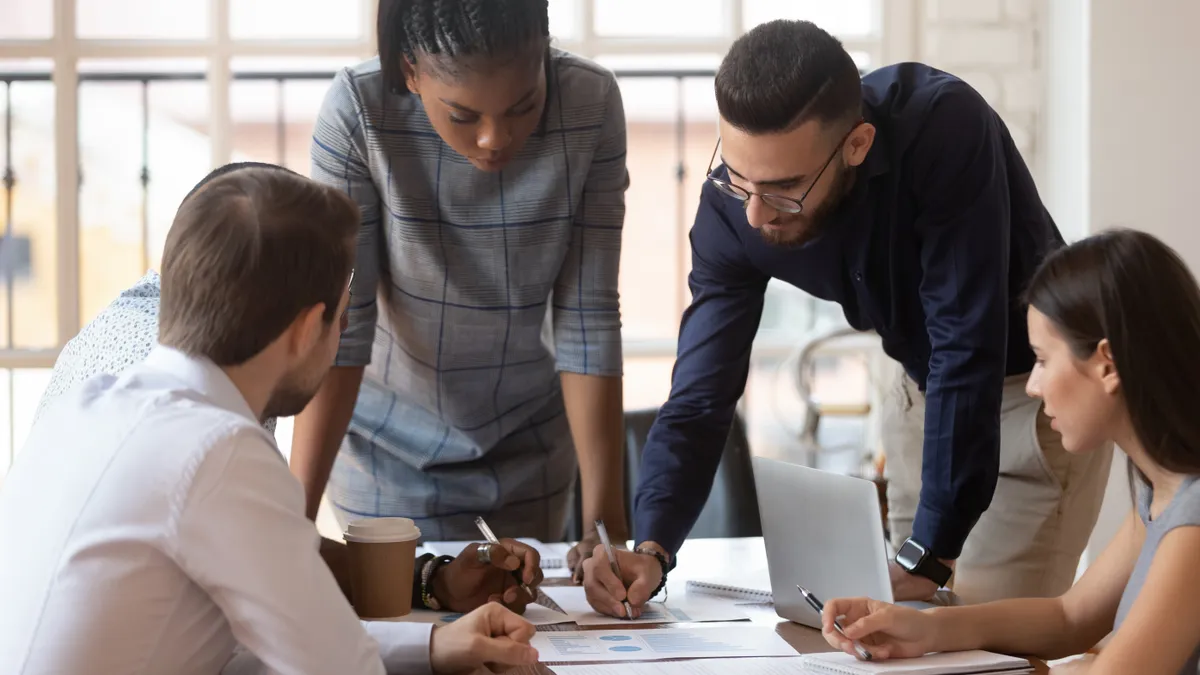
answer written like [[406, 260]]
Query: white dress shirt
[[150, 525]]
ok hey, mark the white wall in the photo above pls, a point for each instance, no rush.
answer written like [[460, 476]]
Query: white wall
[[1121, 140], [1100, 98], [1064, 133], [993, 46], [1144, 138]]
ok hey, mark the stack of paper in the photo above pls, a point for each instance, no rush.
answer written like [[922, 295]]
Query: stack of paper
[[573, 601], [964, 663], [534, 614], [658, 644], [950, 663]]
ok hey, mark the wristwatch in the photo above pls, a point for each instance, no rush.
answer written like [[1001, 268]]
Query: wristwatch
[[916, 559]]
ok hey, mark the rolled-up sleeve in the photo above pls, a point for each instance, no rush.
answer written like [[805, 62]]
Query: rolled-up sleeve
[[685, 444], [339, 159], [587, 307], [963, 230]]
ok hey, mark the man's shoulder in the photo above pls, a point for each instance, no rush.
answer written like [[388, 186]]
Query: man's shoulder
[[904, 97]]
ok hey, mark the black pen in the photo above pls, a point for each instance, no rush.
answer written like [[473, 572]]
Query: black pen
[[816, 604]]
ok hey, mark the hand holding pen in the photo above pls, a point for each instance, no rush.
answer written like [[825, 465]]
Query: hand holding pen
[[816, 604], [538, 597], [612, 560]]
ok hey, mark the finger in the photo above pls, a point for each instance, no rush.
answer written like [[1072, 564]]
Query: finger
[[881, 621], [512, 594], [599, 597], [602, 573], [881, 652], [851, 608], [640, 590], [503, 622], [504, 651], [503, 556], [527, 557]]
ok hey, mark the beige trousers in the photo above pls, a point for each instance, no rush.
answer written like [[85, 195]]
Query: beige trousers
[[1029, 541]]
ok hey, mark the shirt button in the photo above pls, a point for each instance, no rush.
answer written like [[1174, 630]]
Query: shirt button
[[858, 276]]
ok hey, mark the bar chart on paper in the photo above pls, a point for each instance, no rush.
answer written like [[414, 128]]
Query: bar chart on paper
[[663, 643]]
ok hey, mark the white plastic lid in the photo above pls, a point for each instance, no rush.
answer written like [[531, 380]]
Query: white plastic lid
[[382, 530]]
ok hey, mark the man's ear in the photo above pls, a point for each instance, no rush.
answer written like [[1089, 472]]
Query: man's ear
[[858, 144], [306, 330]]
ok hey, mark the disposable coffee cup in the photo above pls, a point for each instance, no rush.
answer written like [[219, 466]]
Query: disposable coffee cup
[[381, 552]]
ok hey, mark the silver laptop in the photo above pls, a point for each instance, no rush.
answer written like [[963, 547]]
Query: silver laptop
[[823, 531]]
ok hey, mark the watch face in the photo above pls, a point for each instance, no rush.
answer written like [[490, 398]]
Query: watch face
[[910, 555]]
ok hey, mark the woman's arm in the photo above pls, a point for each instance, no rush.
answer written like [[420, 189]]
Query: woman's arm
[[587, 331], [1162, 629], [339, 159], [1049, 627]]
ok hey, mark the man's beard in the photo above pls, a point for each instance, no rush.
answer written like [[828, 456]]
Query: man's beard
[[816, 221], [291, 396]]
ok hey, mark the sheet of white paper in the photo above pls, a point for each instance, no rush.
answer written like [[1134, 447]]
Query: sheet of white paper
[[659, 643], [573, 601], [748, 666], [554, 556], [534, 614]]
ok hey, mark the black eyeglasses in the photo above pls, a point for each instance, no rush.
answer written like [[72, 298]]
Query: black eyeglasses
[[776, 202]]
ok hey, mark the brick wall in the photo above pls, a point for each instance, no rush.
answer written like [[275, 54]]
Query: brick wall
[[995, 46]]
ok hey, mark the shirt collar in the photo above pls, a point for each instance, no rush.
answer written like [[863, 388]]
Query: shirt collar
[[203, 376]]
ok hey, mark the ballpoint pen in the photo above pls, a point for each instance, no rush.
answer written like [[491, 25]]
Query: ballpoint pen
[[540, 596], [612, 560], [491, 539], [816, 604]]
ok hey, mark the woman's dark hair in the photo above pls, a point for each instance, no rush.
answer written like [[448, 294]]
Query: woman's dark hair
[[1133, 290], [449, 30]]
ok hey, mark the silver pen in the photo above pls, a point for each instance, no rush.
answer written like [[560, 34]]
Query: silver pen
[[491, 539], [612, 560], [817, 605]]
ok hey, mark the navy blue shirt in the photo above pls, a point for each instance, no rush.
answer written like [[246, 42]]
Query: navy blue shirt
[[931, 249]]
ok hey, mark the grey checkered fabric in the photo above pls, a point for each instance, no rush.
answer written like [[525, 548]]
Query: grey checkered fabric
[[497, 281]]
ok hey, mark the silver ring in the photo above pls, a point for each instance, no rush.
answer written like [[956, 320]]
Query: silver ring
[[484, 554]]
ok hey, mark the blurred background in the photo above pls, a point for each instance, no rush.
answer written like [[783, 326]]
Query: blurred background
[[113, 109]]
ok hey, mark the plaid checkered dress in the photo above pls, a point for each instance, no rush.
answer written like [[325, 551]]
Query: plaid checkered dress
[[497, 282]]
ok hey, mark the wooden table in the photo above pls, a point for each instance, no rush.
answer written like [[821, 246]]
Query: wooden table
[[717, 559]]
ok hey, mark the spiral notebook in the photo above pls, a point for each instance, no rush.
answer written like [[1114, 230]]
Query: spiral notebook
[[754, 592], [950, 663]]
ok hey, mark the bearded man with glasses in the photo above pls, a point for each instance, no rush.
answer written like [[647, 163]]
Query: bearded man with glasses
[[901, 196]]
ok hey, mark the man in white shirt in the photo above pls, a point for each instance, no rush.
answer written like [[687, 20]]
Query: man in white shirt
[[123, 334], [150, 524]]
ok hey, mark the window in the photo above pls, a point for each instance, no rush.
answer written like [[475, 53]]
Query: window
[[159, 92]]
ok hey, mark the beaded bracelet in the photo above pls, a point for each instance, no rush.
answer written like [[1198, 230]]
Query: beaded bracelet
[[662, 560]]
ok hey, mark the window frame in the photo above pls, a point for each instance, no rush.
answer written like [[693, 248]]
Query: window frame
[[893, 42]]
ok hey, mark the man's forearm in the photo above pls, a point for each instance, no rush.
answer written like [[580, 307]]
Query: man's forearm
[[319, 431], [596, 414]]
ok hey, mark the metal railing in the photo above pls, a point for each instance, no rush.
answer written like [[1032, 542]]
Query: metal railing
[[11, 353]]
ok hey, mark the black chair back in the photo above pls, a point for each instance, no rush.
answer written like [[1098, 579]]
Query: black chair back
[[732, 506]]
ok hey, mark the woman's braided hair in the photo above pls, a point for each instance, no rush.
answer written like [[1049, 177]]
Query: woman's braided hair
[[453, 29]]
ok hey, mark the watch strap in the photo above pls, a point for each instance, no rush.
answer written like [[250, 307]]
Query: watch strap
[[935, 570]]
